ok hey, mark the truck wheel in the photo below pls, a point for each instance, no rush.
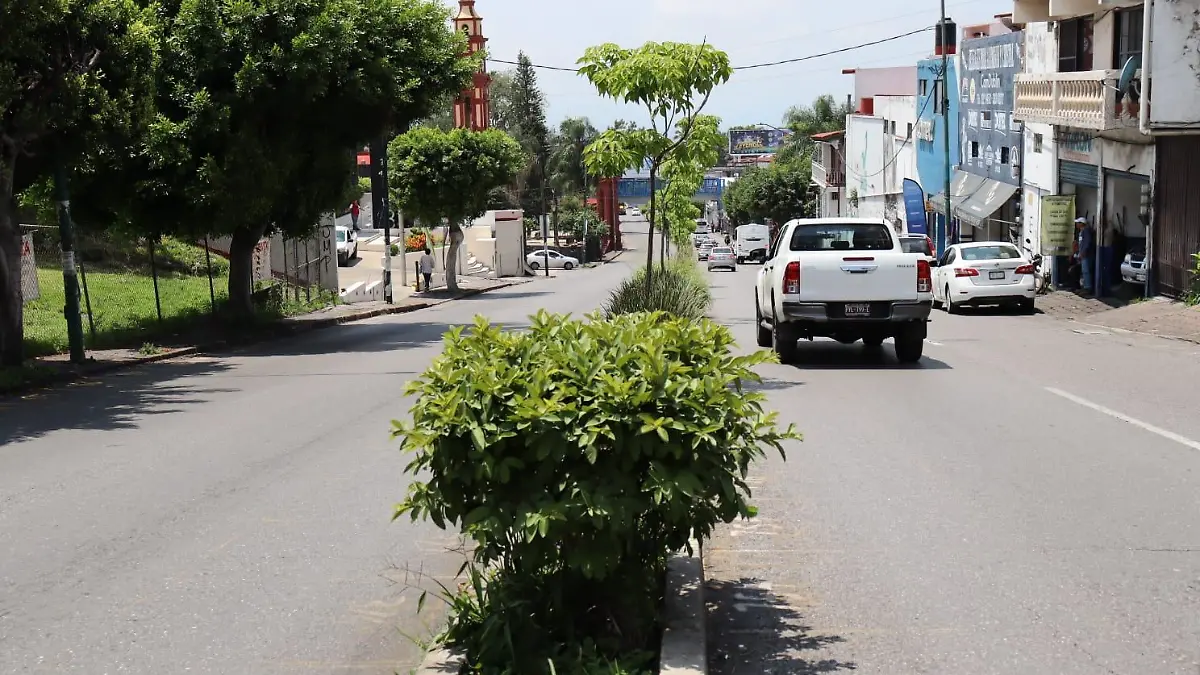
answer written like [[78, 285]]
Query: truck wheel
[[784, 340], [764, 333], [910, 344]]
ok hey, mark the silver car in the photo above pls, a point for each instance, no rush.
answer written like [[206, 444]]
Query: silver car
[[722, 257]]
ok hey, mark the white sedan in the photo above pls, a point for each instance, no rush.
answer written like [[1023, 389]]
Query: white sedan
[[537, 259], [984, 273]]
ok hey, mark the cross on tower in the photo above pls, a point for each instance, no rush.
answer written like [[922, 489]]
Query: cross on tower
[[472, 108]]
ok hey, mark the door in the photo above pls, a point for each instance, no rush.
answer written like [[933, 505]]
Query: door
[[766, 279], [943, 272]]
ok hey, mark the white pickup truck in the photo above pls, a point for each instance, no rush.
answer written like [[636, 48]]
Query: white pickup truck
[[843, 278]]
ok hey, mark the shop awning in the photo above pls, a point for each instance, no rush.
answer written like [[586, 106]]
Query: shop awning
[[974, 198]]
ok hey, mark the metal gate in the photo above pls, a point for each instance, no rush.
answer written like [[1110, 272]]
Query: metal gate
[[1176, 213]]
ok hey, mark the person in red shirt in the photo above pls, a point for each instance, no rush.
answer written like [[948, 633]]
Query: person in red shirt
[[354, 214]]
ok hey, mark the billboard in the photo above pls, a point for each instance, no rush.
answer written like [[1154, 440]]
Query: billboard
[[991, 138], [756, 141]]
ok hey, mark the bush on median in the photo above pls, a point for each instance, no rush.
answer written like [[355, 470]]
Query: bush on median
[[576, 457], [678, 288]]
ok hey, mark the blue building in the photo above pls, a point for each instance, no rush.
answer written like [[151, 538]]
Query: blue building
[[930, 134]]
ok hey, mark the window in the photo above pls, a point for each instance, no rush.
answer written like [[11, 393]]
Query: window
[[1075, 45], [1004, 155], [1127, 42], [1002, 252], [974, 149], [842, 237], [893, 127], [1037, 143], [885, 126], [937, 96], [908, 133], [923, 87]]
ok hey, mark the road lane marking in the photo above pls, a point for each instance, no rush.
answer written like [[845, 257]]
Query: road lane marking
[[1146, 426], [935, 344]]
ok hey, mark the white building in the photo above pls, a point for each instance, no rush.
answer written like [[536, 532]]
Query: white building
[[829, 174], [1039, 175], [879, 149]]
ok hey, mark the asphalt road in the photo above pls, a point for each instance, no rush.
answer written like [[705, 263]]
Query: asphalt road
[[1025, 500], [231, 514]]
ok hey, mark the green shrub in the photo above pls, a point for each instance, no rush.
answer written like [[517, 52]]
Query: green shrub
[[679, 289], [1192, 297], [576, 457]]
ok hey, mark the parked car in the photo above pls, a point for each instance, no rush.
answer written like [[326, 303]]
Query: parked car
[[537, 259], [722, 257], [842, 278], [1133, 268], [706, 248], [347, 246], [984, 273]]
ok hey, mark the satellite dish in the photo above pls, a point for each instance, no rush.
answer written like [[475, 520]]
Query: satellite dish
[[1126, 84]]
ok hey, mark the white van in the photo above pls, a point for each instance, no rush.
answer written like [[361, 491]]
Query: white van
[[752, 242]]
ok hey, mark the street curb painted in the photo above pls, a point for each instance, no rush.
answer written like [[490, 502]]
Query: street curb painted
[[684, 649], [1126, 331], [285, 328]]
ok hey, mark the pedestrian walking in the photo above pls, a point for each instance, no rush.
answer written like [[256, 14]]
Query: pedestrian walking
[[354, 214], [426, 265]]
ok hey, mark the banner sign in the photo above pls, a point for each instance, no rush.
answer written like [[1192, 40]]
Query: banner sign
[[1058, 224], [914, 207], [756, 141], [991, 138]]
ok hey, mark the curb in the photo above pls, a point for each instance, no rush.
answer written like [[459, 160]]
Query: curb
[[284, 328], [1127, 331], [684, 647]]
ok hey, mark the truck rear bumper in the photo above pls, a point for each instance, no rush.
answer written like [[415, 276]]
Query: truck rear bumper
[[827, 313]]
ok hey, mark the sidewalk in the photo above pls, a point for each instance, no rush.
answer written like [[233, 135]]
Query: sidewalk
[[57, 368], [1155, 316]]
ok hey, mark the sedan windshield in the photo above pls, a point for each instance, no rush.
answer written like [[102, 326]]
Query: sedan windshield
[[998, 252]]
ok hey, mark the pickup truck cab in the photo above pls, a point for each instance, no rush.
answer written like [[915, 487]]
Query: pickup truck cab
[[843, 278]]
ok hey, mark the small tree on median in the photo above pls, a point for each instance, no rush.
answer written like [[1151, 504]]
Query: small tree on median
[[437, 174], [673, 82]]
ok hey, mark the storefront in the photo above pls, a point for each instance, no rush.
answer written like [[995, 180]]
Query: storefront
[[1176, 232]]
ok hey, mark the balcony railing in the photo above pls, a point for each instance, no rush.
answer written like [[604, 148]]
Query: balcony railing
[[1087, 100], [826, 177]]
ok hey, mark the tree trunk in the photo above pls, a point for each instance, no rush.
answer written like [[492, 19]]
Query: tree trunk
[[241, 268], [12, 320], [455, 240], [650, 234]]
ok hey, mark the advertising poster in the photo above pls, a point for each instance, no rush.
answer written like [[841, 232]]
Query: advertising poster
[[1058, 224]]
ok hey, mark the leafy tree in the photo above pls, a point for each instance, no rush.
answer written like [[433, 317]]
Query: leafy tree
[[73, 76], [260, 116], [528, 110], [673, 82], [567, 170], [684, 175], [501, 96], [824, 115], [450, 175], [778, 193]]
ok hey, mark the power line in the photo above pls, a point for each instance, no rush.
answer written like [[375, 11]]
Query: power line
[[767, 64]]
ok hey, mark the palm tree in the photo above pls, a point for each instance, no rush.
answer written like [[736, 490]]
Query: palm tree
[[824, 115], [567, 171]]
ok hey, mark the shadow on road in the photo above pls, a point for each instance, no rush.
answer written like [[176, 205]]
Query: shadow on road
[[752, 630], [829, 355], [367, 338], [770, 384], [110, 401]]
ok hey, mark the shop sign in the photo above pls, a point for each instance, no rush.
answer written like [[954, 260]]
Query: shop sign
[[1058, 224], [924, 130], [990, 137], [1077, 146]]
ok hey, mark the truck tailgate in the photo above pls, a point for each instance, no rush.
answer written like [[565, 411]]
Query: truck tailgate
[[858, 276]]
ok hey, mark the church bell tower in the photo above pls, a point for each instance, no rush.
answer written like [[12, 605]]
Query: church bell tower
[[472, 108]]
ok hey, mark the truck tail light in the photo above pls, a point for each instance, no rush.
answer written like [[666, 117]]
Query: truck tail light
[[791, 278], [924, 277], [966, 272], [1023, 269]]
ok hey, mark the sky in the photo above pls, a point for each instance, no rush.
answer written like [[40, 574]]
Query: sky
[[750, 31]]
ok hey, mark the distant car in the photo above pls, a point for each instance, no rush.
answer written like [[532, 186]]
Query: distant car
[[634, 212], [1133, 268], [557, 260], [722, 257], [347, 246], [705, 249], [917, 243], [984, 273]]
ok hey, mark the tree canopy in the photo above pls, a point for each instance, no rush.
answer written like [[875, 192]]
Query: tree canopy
[[777, 193]]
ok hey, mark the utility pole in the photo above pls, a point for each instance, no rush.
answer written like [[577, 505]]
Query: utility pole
[[944, 39], [545, 214], [66, 231], [379, 209]]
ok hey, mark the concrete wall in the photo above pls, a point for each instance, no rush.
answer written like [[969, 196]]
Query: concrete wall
[[864, 157]]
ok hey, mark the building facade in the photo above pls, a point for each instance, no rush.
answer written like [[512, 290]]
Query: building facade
[[930, 135], [829, 174], [878, 149]]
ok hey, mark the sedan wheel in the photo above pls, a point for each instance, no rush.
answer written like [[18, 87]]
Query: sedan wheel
[[535, 265], [948, 305], [568, 266]]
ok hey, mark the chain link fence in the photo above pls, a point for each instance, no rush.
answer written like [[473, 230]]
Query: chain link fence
[[133, 293]]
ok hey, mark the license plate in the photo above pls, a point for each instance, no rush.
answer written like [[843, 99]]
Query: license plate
[[998, 274], [1140, 277], [858, 309]]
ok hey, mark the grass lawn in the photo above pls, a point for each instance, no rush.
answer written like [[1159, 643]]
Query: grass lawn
[[123, 308]]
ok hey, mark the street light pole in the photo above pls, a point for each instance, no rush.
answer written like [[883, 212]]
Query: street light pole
[[944, 226]]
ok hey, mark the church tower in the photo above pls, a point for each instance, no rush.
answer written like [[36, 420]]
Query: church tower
[[472, 109]]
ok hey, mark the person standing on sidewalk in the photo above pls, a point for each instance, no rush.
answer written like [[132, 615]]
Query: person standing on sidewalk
[[426, 266], [1087, 253], [354, 214]]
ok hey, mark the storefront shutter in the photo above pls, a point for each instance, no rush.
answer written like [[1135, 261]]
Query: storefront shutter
[[1078, 173]]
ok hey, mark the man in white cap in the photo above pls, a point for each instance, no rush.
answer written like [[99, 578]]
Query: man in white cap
[[1085, 252]]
